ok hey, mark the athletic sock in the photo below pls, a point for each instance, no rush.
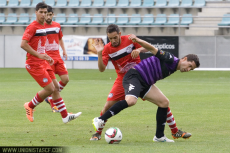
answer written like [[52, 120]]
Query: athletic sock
[[61, 85], [35, 101], [61, 107], [171, 121], [51, 103], [99, 131], [115, 109], [161, 120]]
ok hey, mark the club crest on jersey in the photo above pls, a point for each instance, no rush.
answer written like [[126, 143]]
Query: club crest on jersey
[[129, 49], [45, 80], [162, 52], [110, 95]]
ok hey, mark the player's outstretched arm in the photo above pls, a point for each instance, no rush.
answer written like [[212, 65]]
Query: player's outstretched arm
[[63, 48], [99, 46], [144, 44]]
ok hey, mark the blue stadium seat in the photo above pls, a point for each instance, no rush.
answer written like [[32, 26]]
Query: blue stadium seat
[[13, 3], [122, 19], [186, 19], [61, 3], [86, 3], [135, 3], [147, 19], [60, 18], [24, 3], [98, 3], [147, 3], [32, 18], [160, 3], [35, 2], [2, 2], [186, 3], [110, 19], [73, 3], [97, 19], [23, 18], [173, 19], [50, 2], [173, 3], [160, 19], [2, 18], [85, 19], [225, 20], [123, 3], [11, 18], [135, 19], [199, 3], [72, 19], [111, 3]]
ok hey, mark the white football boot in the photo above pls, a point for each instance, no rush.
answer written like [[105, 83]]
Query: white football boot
[[98, 124], [71, 117], [162, 139]]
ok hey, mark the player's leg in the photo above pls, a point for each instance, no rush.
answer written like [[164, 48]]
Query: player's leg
[[63, 82], [155, 96], [63, 74]]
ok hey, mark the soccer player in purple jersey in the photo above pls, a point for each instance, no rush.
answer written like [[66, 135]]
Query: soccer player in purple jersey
[[140, 82]]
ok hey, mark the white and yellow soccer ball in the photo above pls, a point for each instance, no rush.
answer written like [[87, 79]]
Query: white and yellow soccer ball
[[113, 135]]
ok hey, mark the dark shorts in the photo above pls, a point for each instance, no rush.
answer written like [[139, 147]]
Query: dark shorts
[[134, 84]]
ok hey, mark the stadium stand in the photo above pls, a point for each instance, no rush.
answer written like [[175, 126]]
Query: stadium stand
[[25, 3], [173, 19], [98, 3], [135, 19], [72, 19], [73, 3], [50, 2], [23, 18], [111, 3], [160, 3], [122, 19], [110, 19], [85, 19], [86, 3], [225, 20], [123, 3], [135, 3], [186, 3], [174, 3], [199, 3], [148, 3], [160, 19], [11, 18], [147, 19], [186, 19], [97, 19], [35, 2], [60, 18], [3, 3], [2, 18], [32, 18], [13, 3], [61, 3]]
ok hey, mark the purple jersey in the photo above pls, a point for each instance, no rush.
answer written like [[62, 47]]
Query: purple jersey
[[157, 67]]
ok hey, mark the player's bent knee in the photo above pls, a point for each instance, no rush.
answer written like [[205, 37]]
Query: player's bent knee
[[131, 102], [164, 103]]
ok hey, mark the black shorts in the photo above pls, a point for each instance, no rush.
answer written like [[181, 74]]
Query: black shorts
[[134, 84]]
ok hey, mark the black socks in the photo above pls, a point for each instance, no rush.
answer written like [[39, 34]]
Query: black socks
[[161, 118]]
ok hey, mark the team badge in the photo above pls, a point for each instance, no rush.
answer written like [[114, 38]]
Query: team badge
[[110, 95], [162, 52], [129, 49], [45, 80]]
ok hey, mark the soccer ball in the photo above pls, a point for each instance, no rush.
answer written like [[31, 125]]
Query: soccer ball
[[113, 135]]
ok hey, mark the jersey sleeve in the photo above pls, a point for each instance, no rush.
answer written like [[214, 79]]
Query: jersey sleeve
[[29, 33], [60, 33], [105, 55], [165, 56]]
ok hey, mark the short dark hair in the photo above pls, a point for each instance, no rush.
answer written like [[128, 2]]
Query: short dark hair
[[193, 57], [49, 9], [41, 5], [112, 28]]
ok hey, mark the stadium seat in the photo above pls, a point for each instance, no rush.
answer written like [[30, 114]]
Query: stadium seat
[[123, 3], [122, 19], [32, 18], [225, 20], [97, 19], [98, 3], [25, 3], [111, 3], [160, 3], [2, 18], [110, 19], [72, 19], [147, 3], [2, 2], [135, 3], [73, 3], [11, 18], [13, 3], [160, 19], [186, 3], [61, 3], [173, 3], [60, 18], [135, 19], [23, 18], [199, 3], [186, 19], [35, 2], [147, 19], [86, 3], [50, 2], [173, 19], [85, 19]]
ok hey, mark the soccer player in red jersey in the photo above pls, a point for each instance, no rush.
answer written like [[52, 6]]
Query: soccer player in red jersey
[[33, 42], [54, 39], [119, 50]]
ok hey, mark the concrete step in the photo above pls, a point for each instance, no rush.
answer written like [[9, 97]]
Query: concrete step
[[224, 4], [201, 32], [202, 28], [206, 20], [206, 14]]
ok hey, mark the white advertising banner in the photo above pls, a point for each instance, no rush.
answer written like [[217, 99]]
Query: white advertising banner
[[80, 48]]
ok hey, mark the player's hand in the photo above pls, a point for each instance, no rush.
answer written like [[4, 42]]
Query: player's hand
[[98, 44], [65, 55], [133, 37], [135, 53], [47, 58]]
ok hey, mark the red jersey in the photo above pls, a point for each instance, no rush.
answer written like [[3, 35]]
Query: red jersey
[[35, 34], [54, 34], [121, 55]]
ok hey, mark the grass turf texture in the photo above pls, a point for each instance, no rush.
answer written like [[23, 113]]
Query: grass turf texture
[[199, 101]]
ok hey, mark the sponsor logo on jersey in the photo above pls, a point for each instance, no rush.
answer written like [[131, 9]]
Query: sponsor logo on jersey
[[125, 50], [40, 49]]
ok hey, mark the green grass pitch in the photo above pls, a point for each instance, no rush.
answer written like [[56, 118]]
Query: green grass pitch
[[199, 100]]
